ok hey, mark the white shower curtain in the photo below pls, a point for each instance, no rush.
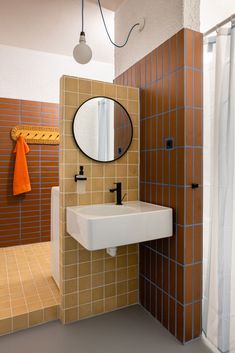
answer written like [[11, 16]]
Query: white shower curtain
[[105, 130], [219, 190]]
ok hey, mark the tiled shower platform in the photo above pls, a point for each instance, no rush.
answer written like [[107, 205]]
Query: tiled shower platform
[[28, 293]]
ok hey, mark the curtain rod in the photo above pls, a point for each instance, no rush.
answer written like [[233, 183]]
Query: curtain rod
[[220, 24]]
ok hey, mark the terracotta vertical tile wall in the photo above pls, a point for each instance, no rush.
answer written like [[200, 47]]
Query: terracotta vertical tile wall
[[93, 282], [26, 218], [122, 131], [170, 79]]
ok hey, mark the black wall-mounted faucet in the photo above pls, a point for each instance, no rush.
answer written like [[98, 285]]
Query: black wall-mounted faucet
[[118, 190]]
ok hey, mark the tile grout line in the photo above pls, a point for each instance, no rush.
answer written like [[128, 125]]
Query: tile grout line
[[8, 285]]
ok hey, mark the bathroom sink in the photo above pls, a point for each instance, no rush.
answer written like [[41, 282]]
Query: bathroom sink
[[103, 226]]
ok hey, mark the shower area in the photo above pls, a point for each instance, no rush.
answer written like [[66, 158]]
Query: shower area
[[28, 293], [219, 186]]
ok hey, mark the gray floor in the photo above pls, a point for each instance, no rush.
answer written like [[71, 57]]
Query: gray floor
[[130, 330]]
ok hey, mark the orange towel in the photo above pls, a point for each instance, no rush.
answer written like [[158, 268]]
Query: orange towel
[[21, 182]]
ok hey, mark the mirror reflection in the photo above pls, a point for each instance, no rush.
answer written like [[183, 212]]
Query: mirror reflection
[[102, 129]]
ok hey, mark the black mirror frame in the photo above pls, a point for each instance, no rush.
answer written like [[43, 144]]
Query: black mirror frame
[[93, 159]]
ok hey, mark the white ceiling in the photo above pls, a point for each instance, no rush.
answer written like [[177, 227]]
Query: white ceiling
[[54, 26], [109, 4]]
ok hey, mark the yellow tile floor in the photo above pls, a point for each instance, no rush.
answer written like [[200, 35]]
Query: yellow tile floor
[[28, 293]]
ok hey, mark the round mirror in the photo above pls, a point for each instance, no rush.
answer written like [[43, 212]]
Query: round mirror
[[102, 129]]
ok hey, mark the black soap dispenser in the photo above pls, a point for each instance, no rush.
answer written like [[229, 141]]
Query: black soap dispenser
[[81, 179]]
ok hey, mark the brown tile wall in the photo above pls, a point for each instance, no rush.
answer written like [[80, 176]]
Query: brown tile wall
[[26, 218], [122, 131], [92, 282], [170, 78]]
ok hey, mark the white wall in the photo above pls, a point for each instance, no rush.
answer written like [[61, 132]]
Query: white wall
[[35, 75], [163, 19], [191, 15], [215, 11]]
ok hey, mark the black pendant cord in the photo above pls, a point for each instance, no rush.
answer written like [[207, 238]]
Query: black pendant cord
[[82, 16], [105, 26]]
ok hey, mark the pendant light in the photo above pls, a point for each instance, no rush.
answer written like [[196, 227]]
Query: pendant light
[[82, 52]]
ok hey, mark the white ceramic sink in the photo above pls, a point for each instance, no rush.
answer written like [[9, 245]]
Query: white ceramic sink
[[104, 226]]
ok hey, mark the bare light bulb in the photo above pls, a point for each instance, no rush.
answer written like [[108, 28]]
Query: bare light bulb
[[82, 52]]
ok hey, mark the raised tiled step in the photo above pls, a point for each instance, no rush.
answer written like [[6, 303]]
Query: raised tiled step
[[28, 293]]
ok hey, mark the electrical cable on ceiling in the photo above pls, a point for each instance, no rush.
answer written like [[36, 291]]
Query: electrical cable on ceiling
[[106, 29]]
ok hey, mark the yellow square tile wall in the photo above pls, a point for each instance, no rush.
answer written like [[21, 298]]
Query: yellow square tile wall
[[93, 282]]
